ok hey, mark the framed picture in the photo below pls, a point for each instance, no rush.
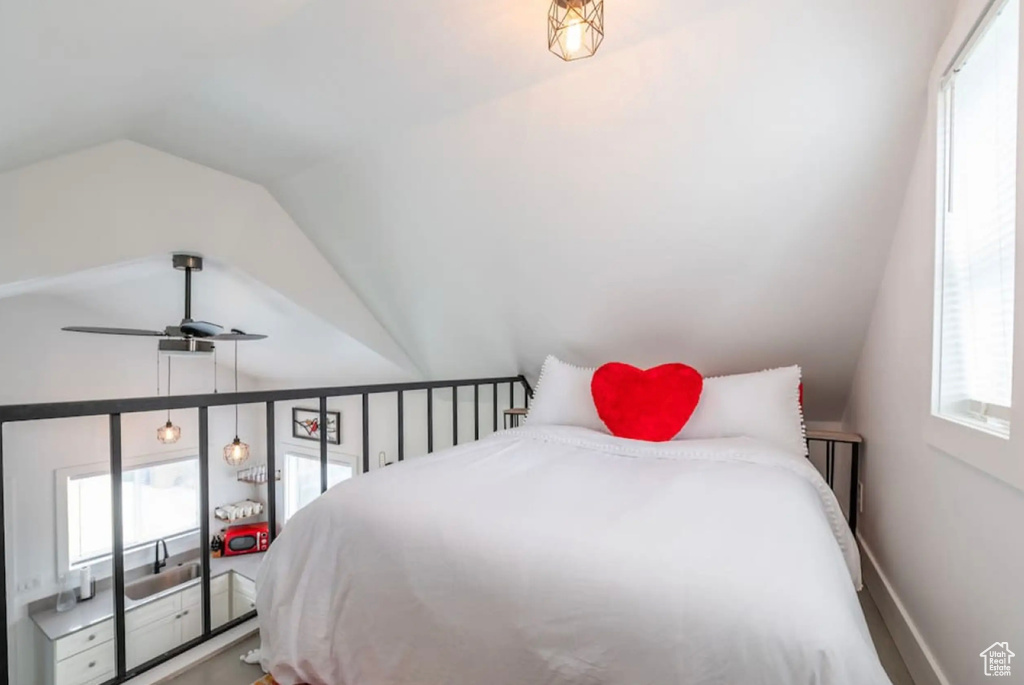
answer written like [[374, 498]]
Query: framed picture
[[306, 425]]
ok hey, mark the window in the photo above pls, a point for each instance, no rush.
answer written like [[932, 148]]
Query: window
[[975, 276], [302, 479], [159, 501]]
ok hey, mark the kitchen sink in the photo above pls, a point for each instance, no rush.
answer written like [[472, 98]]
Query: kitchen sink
[[165, 580]]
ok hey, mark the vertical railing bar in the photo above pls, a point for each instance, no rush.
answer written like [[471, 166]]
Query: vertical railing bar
[[476, 412], [430, 420], [495, 407], [366, 433], [831, 464], [271, 473], [854, 485], [401, 425], [526, 396], [511, 395], [323, 444], [204, 514], [455, 415], [4, 656], [116, 514]]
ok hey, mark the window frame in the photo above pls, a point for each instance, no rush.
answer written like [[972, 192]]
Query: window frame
[[991, 452], [64, 475], [333, 457]]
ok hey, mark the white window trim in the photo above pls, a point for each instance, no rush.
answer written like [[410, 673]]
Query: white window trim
[[62, 476], [999, 456], [333, 456]]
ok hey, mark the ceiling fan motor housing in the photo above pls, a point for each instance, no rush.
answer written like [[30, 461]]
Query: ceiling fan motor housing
[[187, 347]]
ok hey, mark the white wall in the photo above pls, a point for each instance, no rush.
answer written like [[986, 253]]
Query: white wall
[[946, 535]]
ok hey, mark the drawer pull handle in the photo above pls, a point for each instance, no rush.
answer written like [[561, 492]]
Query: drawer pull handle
[[178, 616], [91, 664], [185, 613], [91, 638]]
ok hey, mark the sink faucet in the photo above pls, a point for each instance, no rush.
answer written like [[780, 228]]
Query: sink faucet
[[158, 564]]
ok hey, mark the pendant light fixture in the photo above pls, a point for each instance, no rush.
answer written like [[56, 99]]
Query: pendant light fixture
[[236, 452], [168, 433], [575, 28]]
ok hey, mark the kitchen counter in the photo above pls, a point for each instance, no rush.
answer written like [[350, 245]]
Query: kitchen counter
[[101, 607]]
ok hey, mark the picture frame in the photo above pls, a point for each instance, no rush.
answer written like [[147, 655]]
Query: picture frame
[[306, 425]]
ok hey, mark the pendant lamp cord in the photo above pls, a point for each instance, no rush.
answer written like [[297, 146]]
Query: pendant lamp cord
[[168, 384], [236, 389]]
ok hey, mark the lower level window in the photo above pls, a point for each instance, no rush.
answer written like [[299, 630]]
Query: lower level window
[[158, 501], [302, 479]]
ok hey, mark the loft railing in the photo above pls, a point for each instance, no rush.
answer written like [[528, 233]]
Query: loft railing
[[116, 408]]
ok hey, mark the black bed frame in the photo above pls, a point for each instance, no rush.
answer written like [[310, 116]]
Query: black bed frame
[[115, 408]]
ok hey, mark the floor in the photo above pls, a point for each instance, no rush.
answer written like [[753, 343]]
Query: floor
[[226, 669]]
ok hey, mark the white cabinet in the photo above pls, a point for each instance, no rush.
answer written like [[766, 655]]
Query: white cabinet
[[220, 609], [192, 622], [151, 640], [243, 596], [86, 657]]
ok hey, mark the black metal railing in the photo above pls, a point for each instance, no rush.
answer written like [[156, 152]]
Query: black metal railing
[[116, 408]]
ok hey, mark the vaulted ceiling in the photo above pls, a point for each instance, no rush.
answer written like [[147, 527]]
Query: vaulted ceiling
[[718, 185]]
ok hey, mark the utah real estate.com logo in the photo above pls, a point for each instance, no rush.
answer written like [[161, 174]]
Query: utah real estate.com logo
[[997, 659]]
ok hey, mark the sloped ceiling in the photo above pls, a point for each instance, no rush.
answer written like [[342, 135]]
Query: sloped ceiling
[[718, 185], [301, 350]]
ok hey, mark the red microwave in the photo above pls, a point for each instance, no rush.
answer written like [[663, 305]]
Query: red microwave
[[246, 539]]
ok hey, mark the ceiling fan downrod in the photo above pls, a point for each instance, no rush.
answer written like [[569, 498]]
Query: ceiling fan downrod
[[188, 263]]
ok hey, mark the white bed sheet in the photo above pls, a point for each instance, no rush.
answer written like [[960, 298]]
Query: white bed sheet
[[562, 556]]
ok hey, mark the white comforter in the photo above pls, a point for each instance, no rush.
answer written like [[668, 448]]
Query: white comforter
[[561, 556]]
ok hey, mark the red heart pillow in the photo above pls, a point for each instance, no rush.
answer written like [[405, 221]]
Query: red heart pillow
[[651, 405]]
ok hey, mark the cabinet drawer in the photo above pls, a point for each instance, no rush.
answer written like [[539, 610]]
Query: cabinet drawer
[[86, 666], [83, 640], [154, 611], [245, 586], [109, 675]]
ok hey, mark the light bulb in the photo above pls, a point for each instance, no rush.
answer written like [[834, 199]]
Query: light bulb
[[168, 433], [574, 32], [236, 452]]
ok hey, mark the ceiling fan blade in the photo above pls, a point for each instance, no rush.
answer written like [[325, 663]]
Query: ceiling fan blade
[[200, 329], [115, 331], [238, 336]]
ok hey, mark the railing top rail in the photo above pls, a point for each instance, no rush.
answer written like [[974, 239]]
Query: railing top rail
[[132, 405]]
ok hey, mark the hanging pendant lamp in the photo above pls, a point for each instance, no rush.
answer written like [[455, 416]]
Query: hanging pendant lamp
[[575, 28], [236, 452], [168, 433]]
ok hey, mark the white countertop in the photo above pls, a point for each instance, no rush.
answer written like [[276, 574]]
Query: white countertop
[[101, 607]]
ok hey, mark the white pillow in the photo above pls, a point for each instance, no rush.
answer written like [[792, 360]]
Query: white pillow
[[764, 406], [563, 397]]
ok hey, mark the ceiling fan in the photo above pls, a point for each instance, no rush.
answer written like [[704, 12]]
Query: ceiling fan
[[187, 337]]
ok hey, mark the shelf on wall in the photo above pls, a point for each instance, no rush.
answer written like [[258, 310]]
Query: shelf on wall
[[253, 479]]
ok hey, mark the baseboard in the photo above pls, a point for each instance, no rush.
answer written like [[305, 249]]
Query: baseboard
[[183, 662], [920, 661]]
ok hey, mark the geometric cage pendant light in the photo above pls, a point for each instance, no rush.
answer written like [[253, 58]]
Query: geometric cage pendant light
[[575, 28], [236, 452], [168, 433]]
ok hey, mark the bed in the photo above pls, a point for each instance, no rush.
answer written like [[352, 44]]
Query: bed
[[556, 555]]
